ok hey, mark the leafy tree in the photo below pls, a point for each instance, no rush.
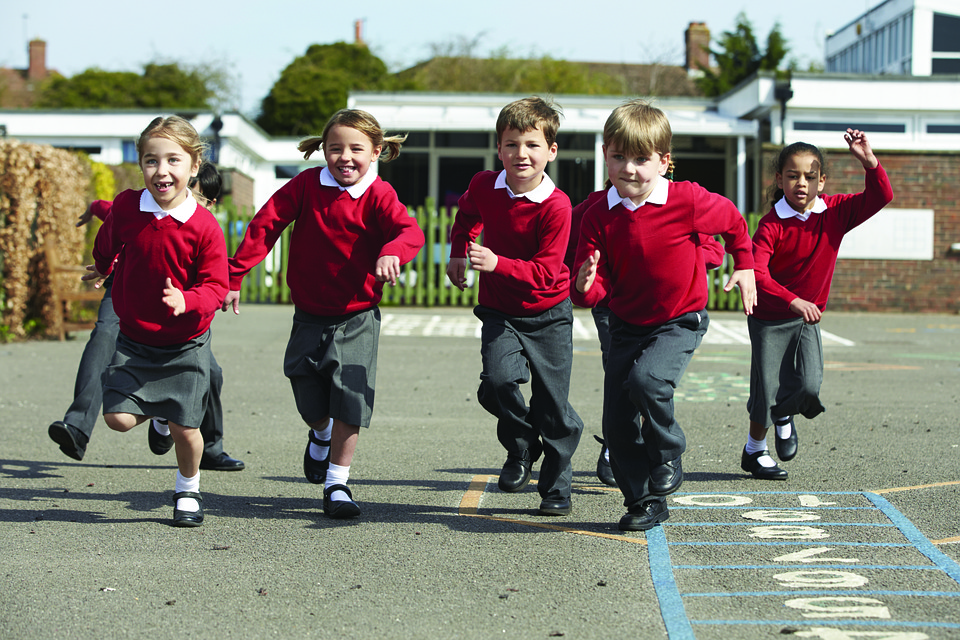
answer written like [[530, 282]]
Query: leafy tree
[[315, 85], [740, 57], [162, 85], [454, 66]]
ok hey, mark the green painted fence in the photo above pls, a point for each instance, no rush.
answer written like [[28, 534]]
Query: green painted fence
[[423, 282]]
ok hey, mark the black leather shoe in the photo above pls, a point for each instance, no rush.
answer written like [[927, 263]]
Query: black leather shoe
[[315, 471], [222, 462], [187, 518], [554, 506], [339, 508], [604, 470], [516, 472], [748, 462], [158, 444], [666, 478], [72, 441], [786, 447], [644, 516]]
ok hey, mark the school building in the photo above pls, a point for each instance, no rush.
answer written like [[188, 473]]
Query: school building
[[905, 259]]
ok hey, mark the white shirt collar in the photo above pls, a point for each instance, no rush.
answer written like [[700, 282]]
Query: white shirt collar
[[181, 213], [538, 194], [355, 190], [657, 196], [784, 210]]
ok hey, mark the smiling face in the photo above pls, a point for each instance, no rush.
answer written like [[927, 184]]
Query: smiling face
[[634, 176], [167, 168], [801, 181], [525, 156], [349, 154]]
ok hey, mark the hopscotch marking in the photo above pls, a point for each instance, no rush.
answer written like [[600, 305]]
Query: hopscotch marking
[[813, 574]]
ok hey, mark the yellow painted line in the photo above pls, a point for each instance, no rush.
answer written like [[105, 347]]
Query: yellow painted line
[[867, 366], [470, 505], [919, 486], [953, 540]]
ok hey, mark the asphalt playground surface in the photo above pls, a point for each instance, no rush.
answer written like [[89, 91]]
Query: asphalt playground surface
[[862, 540]]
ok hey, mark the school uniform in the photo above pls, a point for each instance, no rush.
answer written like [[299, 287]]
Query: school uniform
[[527, 320], [162, 365], [340, 234], [795, 255], [652, 267]]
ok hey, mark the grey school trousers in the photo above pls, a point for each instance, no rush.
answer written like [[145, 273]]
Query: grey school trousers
[[539, 350], [643, 370]]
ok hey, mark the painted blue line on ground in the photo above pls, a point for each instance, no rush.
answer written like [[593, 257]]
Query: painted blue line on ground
[[830, 622], [919, 540], [770, 493], [817, 543], [761, 523], [753, 507], [859, 592], [668, 595], [852, 565]]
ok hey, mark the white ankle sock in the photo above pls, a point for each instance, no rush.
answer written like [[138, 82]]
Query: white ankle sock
[[187, 484], [337, 475], [160, 426], [606, 454], [753, 446], [784, 429], [316, 451]]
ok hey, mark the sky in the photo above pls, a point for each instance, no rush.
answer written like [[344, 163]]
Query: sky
[[254, 40]]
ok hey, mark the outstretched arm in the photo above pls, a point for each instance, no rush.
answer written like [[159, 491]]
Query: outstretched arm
[[860, 148]]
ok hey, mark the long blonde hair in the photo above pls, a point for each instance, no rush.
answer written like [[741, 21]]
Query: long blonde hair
[[362, 122]]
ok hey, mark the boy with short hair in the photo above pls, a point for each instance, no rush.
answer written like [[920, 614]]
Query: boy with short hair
[[525, 303], [639, 245]]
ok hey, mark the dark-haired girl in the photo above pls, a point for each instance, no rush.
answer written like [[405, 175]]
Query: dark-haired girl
[[795, 252]]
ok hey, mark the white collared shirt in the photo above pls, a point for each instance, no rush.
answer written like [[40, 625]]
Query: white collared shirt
[[180, 213], [540, 193], [784, 210], [355, 190], [657, 196]]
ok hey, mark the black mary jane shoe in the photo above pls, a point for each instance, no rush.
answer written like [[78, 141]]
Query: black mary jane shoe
[[315, 471], [159, 444], [749, 462], [187, 518], [604, 470], [339, 509], [786, 447], [666, 478], [644, 516]]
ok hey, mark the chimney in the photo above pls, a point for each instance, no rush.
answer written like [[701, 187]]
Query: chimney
[[697, 39], [358, 33], [38, 60]]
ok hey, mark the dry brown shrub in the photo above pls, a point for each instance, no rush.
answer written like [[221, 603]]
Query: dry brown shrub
[[42, 192]]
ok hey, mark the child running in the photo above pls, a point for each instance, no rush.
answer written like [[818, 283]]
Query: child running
[[74, 431], [525, 308], [712, 258], [795, 251], [351, 235], [640, 245], [170, 279]]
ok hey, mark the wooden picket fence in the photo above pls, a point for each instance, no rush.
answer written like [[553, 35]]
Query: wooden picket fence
[[423, 282]]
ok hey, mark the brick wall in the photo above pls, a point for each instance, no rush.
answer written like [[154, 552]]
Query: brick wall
[[241, 188], [920, 180]]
